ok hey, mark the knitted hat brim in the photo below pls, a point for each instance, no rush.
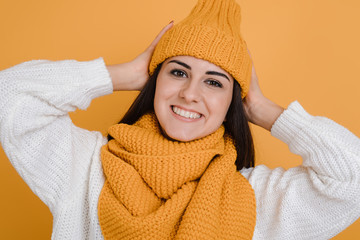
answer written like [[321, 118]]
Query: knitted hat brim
[[209, 44]]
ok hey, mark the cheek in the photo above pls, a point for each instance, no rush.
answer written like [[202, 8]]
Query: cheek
[[218, 106], [166, 89], [163, 93], [158, 99]]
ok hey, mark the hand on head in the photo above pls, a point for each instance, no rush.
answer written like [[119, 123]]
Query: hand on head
[[134, 74], [259, 109]]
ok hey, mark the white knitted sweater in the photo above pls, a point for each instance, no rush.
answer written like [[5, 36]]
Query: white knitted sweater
[[61, 162]]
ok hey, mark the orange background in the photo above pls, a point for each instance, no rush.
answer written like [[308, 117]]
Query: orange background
[[303, 50]]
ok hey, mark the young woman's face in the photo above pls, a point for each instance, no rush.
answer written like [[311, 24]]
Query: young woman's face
[[192, 97]]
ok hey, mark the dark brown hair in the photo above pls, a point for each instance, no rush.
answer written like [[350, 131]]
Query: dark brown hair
[[236, 123]]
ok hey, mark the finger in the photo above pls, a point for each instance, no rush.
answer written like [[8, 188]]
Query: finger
[[158, 37], [254, 77], [249, 53], [253, 72]]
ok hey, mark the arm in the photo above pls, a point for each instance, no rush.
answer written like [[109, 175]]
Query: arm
[[51, 154], [36, 132], [318, 199]]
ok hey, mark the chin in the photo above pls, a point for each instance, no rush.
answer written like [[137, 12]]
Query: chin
[[181, 137]]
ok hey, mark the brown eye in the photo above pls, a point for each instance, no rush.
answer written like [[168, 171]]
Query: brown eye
[[214, 83], [178, 73]]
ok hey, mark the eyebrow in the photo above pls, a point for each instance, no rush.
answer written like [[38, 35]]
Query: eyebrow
[[180, 63], [208, 72], [217, 74]]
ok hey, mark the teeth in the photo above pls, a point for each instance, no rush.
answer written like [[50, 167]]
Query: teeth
[[186, 114]]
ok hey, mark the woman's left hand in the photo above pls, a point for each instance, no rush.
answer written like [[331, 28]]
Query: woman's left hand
[[259, 109]]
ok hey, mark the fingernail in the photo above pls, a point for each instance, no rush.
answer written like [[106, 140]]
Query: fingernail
[[171, 22]]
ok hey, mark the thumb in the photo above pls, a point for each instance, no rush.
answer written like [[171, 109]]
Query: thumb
[[152, 46]]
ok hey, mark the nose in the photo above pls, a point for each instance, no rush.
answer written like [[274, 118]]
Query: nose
[[190, 92]]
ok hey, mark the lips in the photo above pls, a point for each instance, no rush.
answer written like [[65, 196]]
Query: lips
[[184, 113]]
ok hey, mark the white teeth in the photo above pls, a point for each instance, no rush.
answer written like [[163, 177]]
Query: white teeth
[[185, 114]]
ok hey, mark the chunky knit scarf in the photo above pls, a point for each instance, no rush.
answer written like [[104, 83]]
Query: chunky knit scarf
[[158, 188]]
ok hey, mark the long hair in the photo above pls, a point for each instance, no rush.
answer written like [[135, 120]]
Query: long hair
[[236, 123]]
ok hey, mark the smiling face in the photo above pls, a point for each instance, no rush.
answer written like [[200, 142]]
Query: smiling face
[[192, 97]]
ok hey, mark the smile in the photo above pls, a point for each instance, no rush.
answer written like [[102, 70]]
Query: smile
[[184, 113]]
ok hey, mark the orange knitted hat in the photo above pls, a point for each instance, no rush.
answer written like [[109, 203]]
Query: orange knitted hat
[[211, 32]]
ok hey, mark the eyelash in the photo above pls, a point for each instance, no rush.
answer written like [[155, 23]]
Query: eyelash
[[176, 72], [214, 83], [211, 82]]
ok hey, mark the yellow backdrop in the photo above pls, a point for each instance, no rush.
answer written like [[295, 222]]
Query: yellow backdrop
[[303, 50]]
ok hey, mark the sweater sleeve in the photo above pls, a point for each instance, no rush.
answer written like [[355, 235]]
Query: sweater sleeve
[[318, 199], [36, 131]]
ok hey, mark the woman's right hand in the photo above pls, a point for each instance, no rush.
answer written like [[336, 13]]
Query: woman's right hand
[[134, 74]]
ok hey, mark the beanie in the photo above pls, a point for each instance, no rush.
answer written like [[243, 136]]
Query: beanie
[[211, 32]]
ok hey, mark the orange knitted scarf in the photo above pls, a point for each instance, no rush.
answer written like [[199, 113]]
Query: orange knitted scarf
[[158, 188]]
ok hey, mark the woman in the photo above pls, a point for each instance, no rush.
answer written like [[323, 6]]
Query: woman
[[171, 173]]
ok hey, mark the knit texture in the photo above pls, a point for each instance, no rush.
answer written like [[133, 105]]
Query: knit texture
[[61, 162], [211, 32], [157, 188]]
